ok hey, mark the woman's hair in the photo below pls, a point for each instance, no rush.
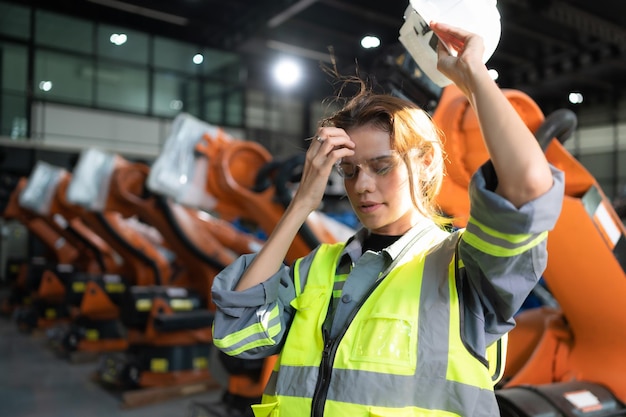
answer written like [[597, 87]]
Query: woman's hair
[[412, 134]]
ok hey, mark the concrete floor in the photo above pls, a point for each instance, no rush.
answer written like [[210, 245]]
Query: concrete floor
[[36, 382]]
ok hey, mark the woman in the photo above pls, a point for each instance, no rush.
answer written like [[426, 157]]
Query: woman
[[396, 321]]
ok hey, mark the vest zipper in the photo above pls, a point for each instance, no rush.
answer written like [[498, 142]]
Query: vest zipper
[[323, 378], [328, 358]]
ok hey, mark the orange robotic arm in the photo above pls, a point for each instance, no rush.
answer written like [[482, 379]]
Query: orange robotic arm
[[586, 271]]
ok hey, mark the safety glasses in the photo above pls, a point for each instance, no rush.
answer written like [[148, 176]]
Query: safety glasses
[[379, 165]]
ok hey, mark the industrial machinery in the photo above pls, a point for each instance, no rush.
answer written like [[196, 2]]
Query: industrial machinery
[[59, 251], [75, 287], [157, 351], [236, 180], [569, 358], [38, 296], [564, 358], [171, 333]]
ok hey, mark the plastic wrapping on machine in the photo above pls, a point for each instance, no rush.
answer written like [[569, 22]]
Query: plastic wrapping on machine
[[39, 191], [91, 179], [175, 173]]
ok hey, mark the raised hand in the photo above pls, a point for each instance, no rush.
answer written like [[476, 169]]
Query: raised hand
[[328, 146]]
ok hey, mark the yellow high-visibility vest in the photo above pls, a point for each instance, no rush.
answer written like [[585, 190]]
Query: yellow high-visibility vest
[[401, 353]]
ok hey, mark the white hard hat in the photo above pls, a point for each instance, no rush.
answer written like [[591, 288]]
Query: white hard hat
[[476, 16]]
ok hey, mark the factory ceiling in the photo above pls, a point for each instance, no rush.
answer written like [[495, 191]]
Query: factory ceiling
[[548, 48]]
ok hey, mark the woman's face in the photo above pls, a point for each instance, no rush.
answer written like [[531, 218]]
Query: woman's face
[[381, 202]]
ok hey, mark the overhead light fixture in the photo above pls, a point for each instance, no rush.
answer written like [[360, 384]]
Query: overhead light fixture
[[287, 72], [289, 12], [575, 97], [118, 39], [493, 73], [143, 11], [45, 85], [176, 104], [299, 51], [369, 42], [198, 59]]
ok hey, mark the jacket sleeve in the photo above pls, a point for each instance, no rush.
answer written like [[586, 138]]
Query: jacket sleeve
[[504, 253], [251, 324]]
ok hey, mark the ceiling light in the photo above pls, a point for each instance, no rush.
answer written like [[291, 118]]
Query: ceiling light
[[370, 42], [45, 85], [197, 59], [118, 38], [176, 104], [493, 73], [287, 73], [575, 98]]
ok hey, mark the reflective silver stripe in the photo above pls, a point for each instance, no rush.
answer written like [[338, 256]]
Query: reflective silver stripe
[[304, 265], [338, 285], [434, 315], [500, 242], [297, 381], [370, 388], [255, 339]]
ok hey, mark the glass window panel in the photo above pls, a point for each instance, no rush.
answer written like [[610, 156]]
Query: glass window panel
[[607, 185], [600, 165], [598, 138], [621, 165], [620, 195], [221, 65], [122, 88], [190, 93], [320, 110], [621, 134], [595, 115], [213, 110], [13, 67], [173, 94], [13, 117], [234, 109], [275, 113], [287, 115], [63, 32], [255, 117], [255, 109], [213, 103], [70, 77], [274, 119], [135, 47], [174, 55], [14, 20]]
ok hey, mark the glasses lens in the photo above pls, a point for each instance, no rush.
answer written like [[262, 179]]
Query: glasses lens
[[346, 169], [380, 165]]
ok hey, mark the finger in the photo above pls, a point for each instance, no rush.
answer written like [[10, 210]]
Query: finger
[[330, 131], [450, 42], [442, 50], [330, 139], [332, 148], [317, 142], [448, 31]]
